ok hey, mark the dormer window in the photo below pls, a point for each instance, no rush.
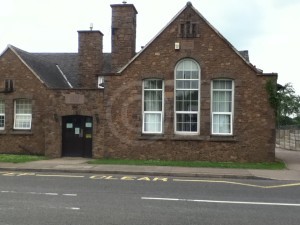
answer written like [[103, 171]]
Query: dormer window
[[188, 29]]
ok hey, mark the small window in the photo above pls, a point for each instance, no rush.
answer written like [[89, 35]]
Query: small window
[[9, 86], [100, 82], [2, 115], [23, 114], [188, 29], [222, 106], [153, 106]]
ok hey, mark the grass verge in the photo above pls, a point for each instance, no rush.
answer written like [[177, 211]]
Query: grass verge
[[270, 166], [20, 158]]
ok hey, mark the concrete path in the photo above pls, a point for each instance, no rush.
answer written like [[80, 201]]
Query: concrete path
[[80, 165]]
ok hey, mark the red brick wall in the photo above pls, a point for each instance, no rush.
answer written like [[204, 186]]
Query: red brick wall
[[90, 58], [48, 107], [123, 34], [26, 86], [254, 123]]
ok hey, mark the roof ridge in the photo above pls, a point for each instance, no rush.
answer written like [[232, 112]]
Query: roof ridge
[[189, 4]]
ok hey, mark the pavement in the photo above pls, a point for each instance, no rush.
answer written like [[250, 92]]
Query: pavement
[[80, 165]]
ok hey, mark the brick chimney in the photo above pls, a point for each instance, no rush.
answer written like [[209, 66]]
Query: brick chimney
[[90, 57], [123, 34]]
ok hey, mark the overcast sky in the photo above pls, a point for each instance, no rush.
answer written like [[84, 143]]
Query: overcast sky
[[267, 28]]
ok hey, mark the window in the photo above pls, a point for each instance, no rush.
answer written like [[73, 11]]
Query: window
[[152, 106], [9, 86], [222, 106], [23, 114], [2, 115], [188, 29], [187, 96], [100, 82]]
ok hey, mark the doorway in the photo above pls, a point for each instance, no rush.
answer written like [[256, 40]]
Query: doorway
[[77, 136]]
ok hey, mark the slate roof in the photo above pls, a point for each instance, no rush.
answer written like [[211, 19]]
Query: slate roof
[[57, 70]]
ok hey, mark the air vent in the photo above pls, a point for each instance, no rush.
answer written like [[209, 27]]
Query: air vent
[[9, 86]]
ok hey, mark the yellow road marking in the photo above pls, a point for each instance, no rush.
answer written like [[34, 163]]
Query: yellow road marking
[[137, 178], [57, 175], [237, 183]]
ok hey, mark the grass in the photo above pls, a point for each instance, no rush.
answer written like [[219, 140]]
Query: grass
[[10, 158], [270, 166]]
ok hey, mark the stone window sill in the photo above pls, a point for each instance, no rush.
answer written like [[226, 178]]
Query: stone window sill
[[152, 137], [221, 138], [188, 138], [212, 138], [21, 132]]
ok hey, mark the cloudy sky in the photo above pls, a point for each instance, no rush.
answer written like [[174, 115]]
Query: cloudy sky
[[267, 28]]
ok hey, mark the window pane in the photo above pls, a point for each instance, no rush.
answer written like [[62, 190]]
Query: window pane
[[152, 84], [221, 124], [194, 84], [152, 122], [222, 101], [2, 121], [153, 101], [159, 84], [179, 74], [186, 122], [179, 84], [195, 74], [23, 121], [2, 111], [187, 84], [23, 106], [187, 74]]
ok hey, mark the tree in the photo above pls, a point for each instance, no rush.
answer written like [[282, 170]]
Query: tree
[[289, 104], [285, 103]]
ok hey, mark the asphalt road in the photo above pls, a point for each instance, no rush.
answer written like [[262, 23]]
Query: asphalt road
[[88, 199]]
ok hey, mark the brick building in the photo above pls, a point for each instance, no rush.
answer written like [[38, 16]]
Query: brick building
[[187, 95]]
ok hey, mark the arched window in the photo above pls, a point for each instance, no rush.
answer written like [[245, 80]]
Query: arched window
[[187, 97]]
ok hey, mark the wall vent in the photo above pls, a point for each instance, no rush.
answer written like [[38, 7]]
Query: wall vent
[[9, 86]]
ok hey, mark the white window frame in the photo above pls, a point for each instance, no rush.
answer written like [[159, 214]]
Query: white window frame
[[153, 112], [182, 89], [28, 115], [2, 113], [222, 113]]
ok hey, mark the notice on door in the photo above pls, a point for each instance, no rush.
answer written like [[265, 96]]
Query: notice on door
[[77, 130]]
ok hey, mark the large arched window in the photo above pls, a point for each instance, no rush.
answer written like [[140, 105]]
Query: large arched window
[[187, 97]]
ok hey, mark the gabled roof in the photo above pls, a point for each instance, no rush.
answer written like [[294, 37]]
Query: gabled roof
[[56, 70], [46, 66], [241, 54]]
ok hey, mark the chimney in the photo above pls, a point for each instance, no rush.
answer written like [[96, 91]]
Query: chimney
[[90, 57], [123, 34]]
